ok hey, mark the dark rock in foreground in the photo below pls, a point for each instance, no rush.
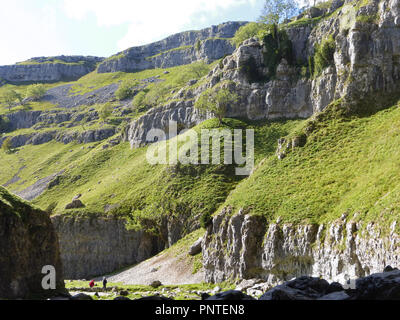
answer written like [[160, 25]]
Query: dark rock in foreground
[[230, 295], [81, 297], [28, 242], [380, 286]]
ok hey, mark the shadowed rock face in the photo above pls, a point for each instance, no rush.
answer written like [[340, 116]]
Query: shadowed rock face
[[213, 44], [53, 69], [28, 242], [94, 247]]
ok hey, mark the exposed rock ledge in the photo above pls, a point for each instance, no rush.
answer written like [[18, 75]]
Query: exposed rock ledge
[[97, 246], [50, 69], [246, 247]]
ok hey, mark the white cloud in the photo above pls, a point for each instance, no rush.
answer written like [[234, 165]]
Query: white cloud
[[149, 20], [25, 34]]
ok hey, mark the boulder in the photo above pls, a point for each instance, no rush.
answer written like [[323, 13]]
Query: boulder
[[75, 204], [121, 298], [124, 293], [247, 284], [81, 297], [195, 249], [379, 286], [156, 284], [229, 296], [303, 288]]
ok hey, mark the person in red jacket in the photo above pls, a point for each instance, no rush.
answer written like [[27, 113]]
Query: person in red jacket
[[91, 284]]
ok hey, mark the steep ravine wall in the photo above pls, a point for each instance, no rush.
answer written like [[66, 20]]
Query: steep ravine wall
[[245, 246], [98, 246]]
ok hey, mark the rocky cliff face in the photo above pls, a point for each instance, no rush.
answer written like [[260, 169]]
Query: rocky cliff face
[[94, 247], [28, 242], [208, 44], [365, 63], [246, 247], [52, 69]]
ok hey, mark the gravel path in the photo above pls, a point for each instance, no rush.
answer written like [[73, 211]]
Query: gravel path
[[167, 268]]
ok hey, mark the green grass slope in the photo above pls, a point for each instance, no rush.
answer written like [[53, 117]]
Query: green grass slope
[[348, 165], [122, 178]]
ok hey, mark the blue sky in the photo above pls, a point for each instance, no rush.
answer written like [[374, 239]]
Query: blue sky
[[30, 28]]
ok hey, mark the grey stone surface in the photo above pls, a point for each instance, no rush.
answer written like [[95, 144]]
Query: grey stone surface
[[247, 247], [43, 69], [97, 246], [213, 46], [196, 247]]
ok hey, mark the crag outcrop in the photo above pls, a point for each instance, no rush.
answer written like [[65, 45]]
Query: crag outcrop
[[28, 242], [183, 48], [49, 69]]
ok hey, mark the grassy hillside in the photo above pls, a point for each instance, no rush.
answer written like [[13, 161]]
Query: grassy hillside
[[10, 204], [121, 178], [349, 165]]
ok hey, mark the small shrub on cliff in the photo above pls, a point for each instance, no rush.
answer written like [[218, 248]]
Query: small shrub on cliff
[[6, 146], [277, 46], [139, 100], [50, 208], [216, 101], [198, 45], [36, 91], [323, 57], [196, 70], [250, 30], [206, 220], [4, 124], [275, 11], [126, 90], [105, 111], [9, 97]]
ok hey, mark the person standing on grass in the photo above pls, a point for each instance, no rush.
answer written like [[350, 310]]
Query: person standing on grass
[[91, 284], [105, 284]]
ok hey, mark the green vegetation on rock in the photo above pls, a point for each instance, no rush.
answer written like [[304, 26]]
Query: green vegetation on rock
[[323, 56], [348, 165], [250, 30]]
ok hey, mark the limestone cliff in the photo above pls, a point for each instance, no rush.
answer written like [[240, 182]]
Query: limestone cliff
[[245, 246], [28, 242], [364, 63], [208, 44], [49, 69]]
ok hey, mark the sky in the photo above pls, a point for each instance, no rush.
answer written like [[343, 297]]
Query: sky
[[33, 28]]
